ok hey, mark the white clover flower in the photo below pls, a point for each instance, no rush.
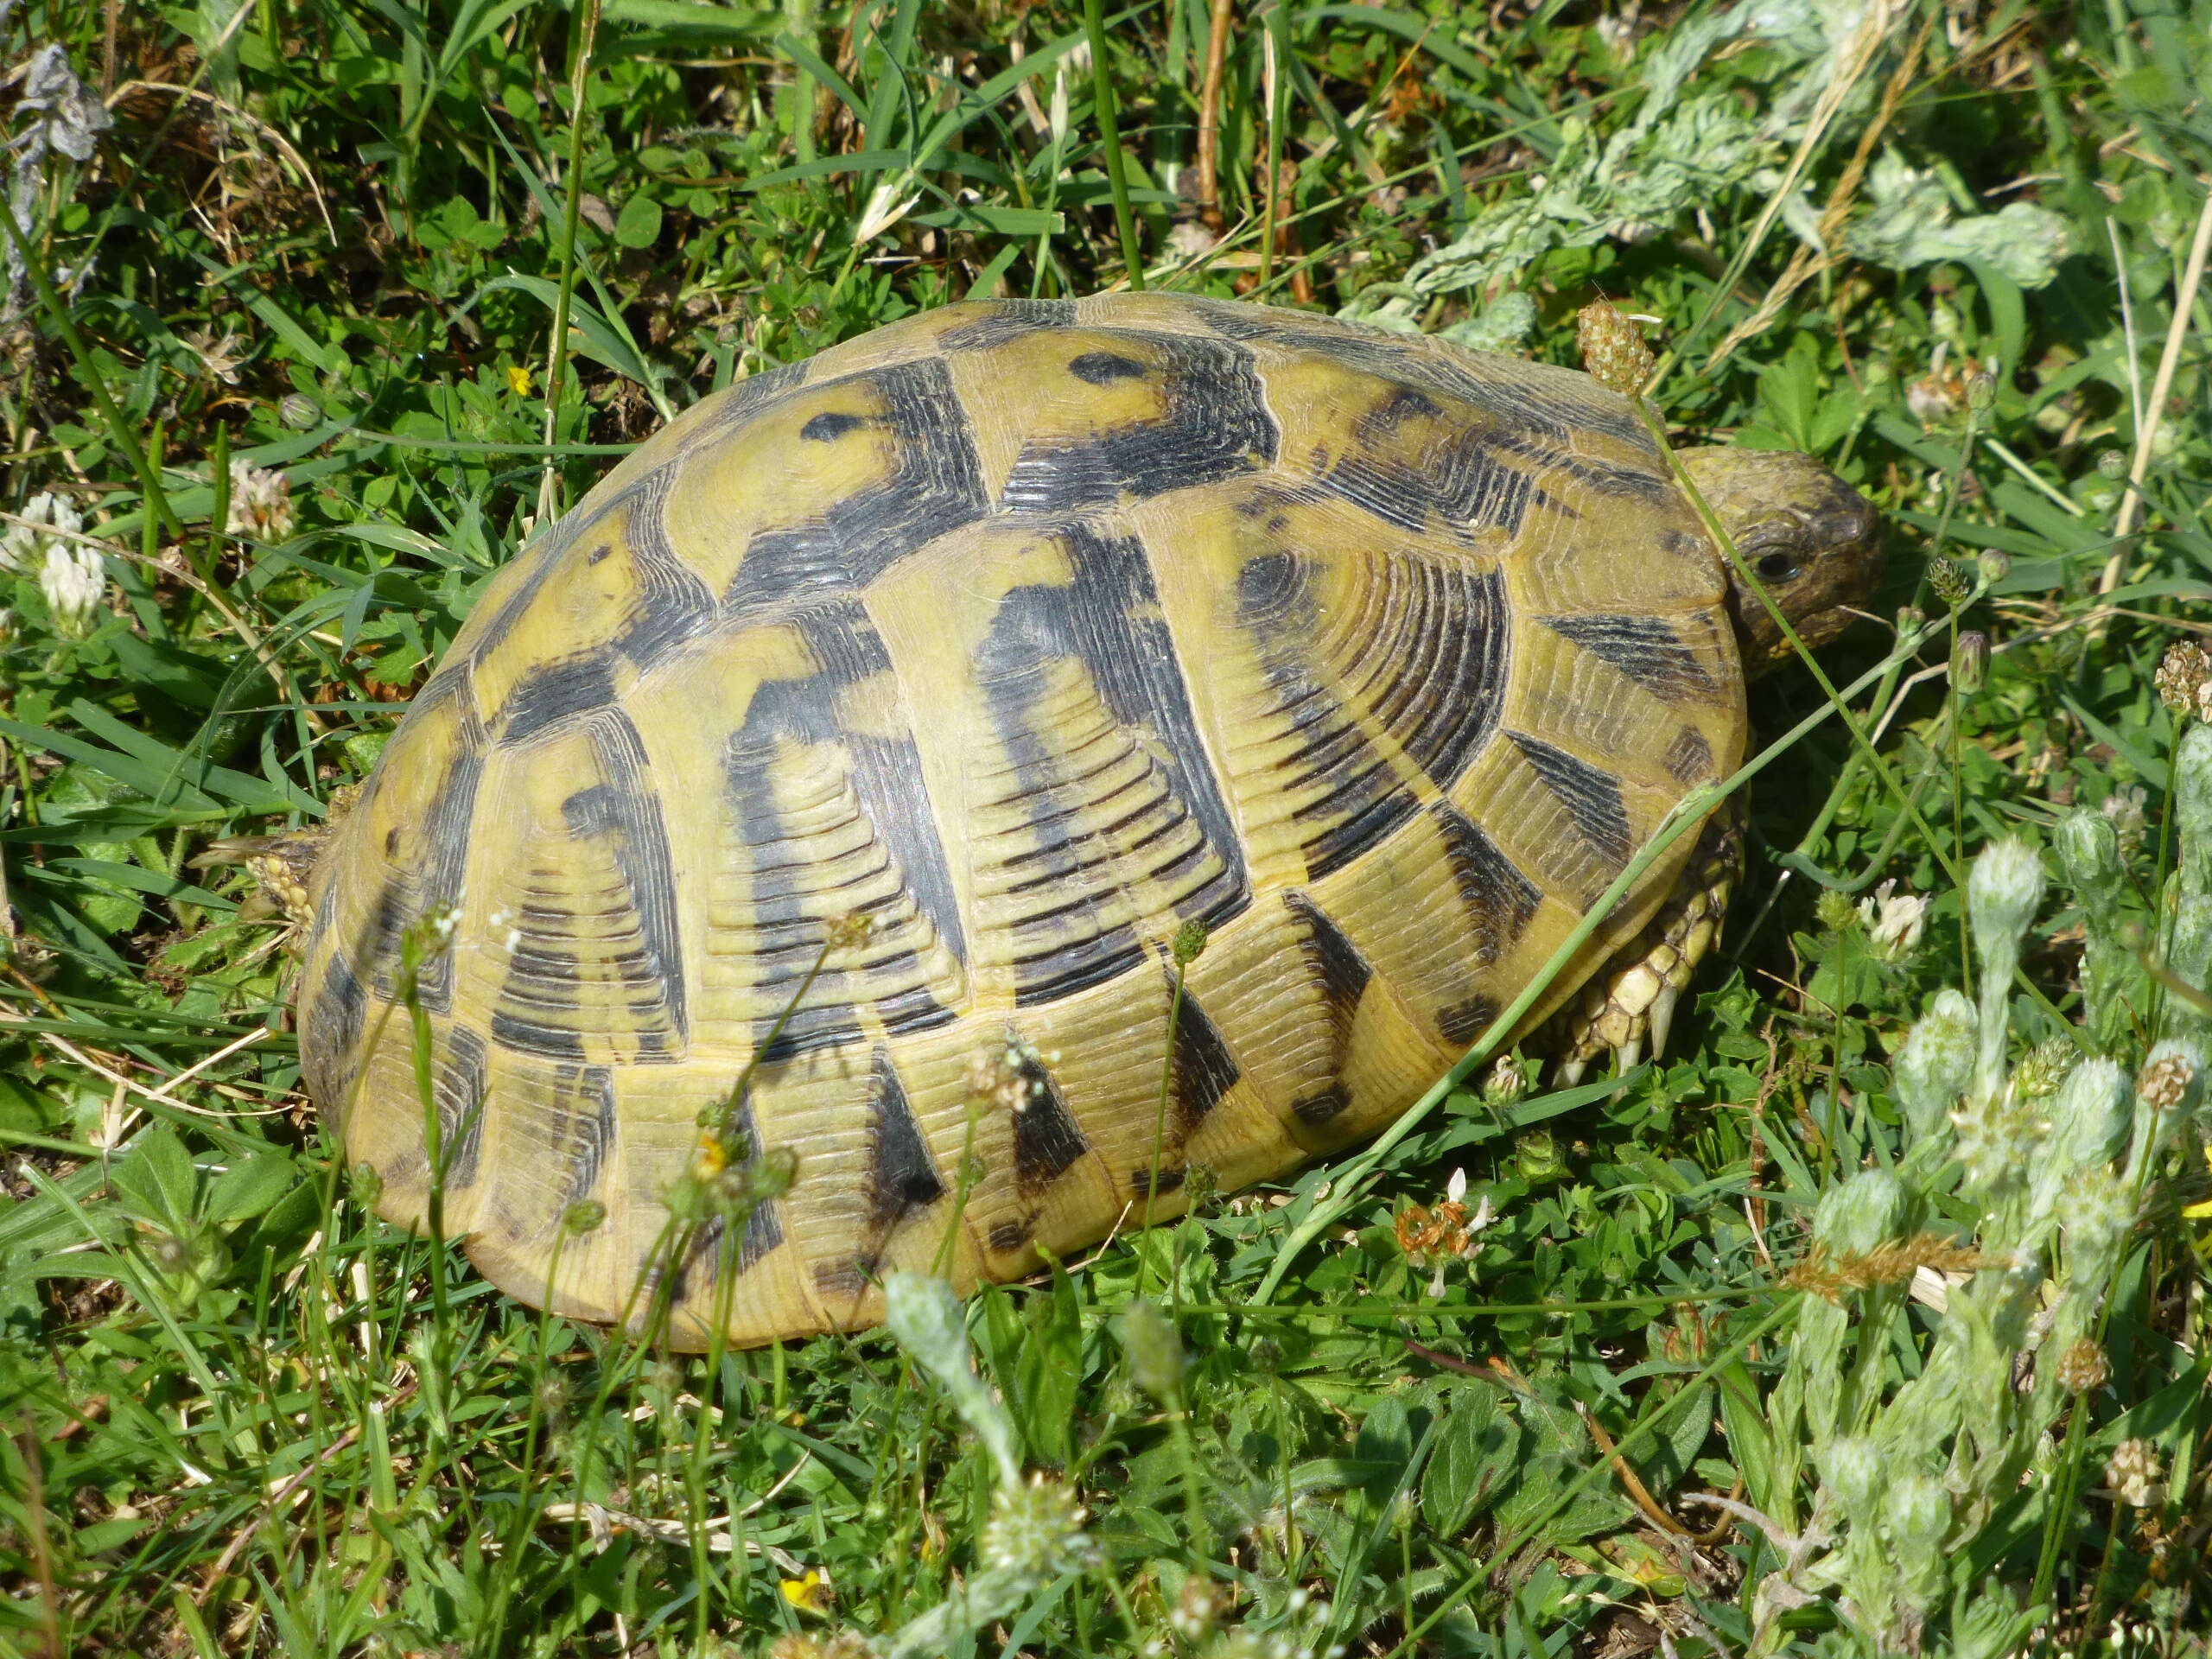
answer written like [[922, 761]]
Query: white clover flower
[[74, 580], [2134, 1473], [261, 503], [23, 547], [1893, 921]]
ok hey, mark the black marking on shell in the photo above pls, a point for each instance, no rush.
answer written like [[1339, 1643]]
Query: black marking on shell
[[1006, 320], [1458, 481], [333, 1033], [1591, 795], [671, 606], [1104, 368], [1320, 1105], [935, 487], [1499, 900], [1462, 1022], [1525, 394], [556, 694], [902, 1178], [1204, 1069], [1010, 1235], [1143, 1185], [1644, 648], [1651, 483], [1214, 425], [740, 403], [1108, 620], [539, 1001], [789, 904], [381, 933], [457, 1085], [1046, 1140], [589, 1136], [1689, 757], [445, 837], [710, 1247], [1340, 974], [1431, 673], [828, 426], [839, 1279]]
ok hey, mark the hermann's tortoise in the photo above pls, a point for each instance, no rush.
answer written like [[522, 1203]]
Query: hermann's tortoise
[[789, 854]]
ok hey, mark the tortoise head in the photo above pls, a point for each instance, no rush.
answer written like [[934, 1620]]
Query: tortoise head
[[1813, 543]]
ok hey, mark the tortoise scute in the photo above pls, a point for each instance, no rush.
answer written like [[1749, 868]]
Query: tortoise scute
[[842, 772]]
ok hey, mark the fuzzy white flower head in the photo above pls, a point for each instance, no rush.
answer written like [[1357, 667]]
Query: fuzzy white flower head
[[1035, 1532], [22, 547], [74, 580], [2003, 888], [1893, 921]]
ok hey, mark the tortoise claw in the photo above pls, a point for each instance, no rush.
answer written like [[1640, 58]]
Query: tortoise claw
[[1662, 1017], [1570, 1073], [1626, 1056]]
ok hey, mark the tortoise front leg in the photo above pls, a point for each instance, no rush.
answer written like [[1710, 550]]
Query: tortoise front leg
[[1633, 997]]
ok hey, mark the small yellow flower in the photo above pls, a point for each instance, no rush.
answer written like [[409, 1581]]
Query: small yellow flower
[[518, 380], [810, 1595], [710, 1157], [2202, 1211]]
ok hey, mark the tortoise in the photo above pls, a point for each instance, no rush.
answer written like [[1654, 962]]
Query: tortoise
[[786, 866]]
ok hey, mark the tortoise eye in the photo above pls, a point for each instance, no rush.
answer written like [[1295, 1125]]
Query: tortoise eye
[[1777, 567]]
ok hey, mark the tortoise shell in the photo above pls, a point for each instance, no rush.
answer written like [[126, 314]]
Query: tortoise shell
[[1025, 633]]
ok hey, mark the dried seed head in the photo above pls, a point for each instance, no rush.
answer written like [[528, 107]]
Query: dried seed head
[[2183, 673], [1613, 351], [2164, 1083], [2083, 1368]]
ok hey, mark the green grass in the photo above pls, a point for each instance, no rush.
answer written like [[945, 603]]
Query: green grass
[[340, 239]]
